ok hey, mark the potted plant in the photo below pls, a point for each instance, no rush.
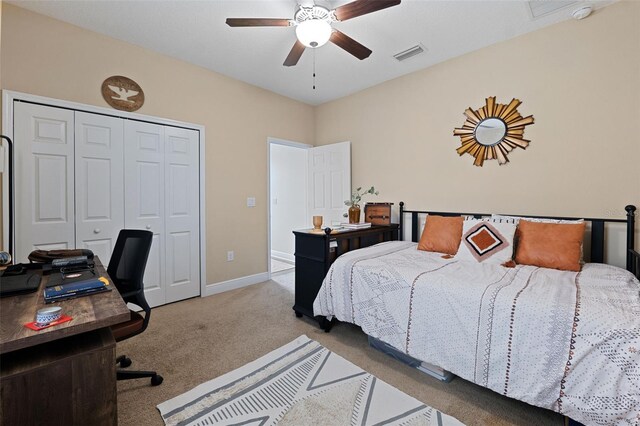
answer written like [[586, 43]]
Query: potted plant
[[354, 203]]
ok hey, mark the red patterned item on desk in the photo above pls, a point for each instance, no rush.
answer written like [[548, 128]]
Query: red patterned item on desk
[[34, 325]]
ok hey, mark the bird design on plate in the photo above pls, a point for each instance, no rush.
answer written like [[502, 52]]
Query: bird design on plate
[[123, 94]]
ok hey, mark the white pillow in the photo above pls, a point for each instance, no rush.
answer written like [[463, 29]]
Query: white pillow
[[486, 241], [516, 219]]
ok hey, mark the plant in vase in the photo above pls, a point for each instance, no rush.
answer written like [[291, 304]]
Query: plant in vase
[[354, 203]]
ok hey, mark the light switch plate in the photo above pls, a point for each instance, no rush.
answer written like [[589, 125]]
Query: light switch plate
[[251, 201]]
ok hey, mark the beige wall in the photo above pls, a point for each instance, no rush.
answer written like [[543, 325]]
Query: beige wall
[[581, 82], [50, 58]]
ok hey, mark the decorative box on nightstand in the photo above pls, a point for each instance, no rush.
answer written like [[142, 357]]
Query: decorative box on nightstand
[[378, 213]]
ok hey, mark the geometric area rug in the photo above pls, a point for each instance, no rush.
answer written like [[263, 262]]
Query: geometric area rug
[[301, 383]]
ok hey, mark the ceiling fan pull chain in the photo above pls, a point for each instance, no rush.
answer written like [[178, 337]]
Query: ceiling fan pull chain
[[314, 69]]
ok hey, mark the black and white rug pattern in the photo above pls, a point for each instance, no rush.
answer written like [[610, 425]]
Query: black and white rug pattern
[[301, 383]]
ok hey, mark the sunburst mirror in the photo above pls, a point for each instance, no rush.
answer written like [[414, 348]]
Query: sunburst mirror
[[492, 131]]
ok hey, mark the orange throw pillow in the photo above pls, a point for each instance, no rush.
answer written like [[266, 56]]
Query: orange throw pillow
[[441, 234], [550, 245]]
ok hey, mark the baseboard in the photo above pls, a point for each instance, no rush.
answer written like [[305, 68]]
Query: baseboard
[[223, 286], [283, 257]]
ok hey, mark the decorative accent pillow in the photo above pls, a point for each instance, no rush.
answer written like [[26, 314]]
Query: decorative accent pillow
[[516, 219], [485, 241], [441, 234], [550, 245]]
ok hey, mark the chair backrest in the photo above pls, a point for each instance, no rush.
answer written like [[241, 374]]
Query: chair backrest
[[127, 265]]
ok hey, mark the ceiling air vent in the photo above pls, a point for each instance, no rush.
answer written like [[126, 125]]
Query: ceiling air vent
[[412, 51], [540, 8]]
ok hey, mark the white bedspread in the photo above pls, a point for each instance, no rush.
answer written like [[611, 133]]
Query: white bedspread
[[566, 341]]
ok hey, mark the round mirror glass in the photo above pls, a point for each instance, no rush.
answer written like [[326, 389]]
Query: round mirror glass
[[490, 131]]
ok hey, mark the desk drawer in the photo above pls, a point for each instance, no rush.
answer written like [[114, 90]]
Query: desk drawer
[[69, 381]]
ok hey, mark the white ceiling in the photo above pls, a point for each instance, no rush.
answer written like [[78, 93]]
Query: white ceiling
[[195, 31]]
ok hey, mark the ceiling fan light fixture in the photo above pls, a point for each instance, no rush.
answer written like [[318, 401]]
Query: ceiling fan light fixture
[[314, 32]]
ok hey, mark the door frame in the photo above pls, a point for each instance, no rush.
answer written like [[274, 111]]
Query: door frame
[[9, 97], [276, 141]]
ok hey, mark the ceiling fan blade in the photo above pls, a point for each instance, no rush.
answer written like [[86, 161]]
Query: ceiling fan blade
[[294, 54], [342, 40], [257, 22], [362, 7]]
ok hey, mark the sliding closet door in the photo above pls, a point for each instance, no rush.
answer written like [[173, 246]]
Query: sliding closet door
[[144, 191], [99, 182], [44, 191], [182, 214], [82, 177]]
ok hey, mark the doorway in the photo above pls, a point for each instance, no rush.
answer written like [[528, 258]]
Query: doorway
[[288, 200]]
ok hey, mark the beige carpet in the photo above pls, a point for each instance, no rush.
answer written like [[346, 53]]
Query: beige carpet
[[193, 341]]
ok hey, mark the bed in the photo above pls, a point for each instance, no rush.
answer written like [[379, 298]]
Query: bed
[[562, 340]]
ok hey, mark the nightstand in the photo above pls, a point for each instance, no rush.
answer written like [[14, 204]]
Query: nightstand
[[315, 252]]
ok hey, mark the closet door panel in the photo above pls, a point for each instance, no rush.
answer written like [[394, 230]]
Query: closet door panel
[[44, 177], [144, 190], [154, 273], [99, 182], [182, 213]]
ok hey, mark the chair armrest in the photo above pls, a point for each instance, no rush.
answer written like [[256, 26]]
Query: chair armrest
[[129, 294]]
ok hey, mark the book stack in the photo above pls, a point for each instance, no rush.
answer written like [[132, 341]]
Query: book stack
[[363, 225], [76, 289]]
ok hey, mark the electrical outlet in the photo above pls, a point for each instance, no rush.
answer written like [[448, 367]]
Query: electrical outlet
[[251, 201], [230, 256]]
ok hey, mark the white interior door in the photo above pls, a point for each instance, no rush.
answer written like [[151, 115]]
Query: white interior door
[[44, 177], [99, 177], [182, 257], [144, 191], [329, 181]]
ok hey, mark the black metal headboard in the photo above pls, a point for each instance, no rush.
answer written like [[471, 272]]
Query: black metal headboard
[[597, 231]]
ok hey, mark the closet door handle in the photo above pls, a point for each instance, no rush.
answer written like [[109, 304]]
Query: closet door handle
[[96, 231]]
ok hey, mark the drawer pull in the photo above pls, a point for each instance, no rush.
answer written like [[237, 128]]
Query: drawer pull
[[379, 217]]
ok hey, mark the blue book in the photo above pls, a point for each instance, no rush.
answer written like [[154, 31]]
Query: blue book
[[76, 289]]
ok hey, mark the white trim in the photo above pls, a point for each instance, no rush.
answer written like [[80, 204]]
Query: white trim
[[8, 98], [61, 103], [235, 283], [283, 257], [285, 142]]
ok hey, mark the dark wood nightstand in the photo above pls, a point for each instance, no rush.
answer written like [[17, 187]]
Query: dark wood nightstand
[[315, 252]]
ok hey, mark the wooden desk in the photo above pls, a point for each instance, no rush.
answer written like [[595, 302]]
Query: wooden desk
[[65, 374]]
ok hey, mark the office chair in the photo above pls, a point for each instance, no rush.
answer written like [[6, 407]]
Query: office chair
[[126, 269]]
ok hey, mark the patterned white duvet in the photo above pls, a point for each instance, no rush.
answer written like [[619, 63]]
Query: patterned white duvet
[[566, 341]]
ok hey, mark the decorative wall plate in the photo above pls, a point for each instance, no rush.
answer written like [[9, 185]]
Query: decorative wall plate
[[492, 131], [122, 93]]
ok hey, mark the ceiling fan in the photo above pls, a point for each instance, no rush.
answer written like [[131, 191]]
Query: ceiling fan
[[313, 26]]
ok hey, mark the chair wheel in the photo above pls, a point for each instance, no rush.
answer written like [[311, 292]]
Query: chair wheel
[[125, 362], [156, 380]]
